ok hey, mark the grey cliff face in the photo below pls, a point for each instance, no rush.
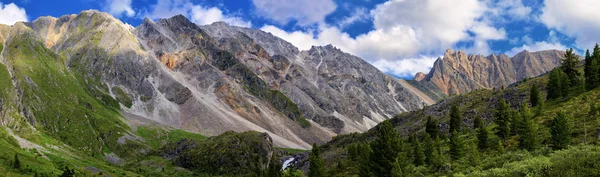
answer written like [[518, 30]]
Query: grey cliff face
[[335, 89], [217, 78]]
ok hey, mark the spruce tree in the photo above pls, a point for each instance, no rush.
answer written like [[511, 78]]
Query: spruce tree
[[591, 71], [365, 153], [535, 97], [455, 118], [558, 84], [595, 68], [17, 162], [515, 120], [482, 137], [431, 127], [386, 148], [477, 122], [503, 117], [560, 129], [316, 168], [569, 66], [457, 146], [419, 156], [527, 129]]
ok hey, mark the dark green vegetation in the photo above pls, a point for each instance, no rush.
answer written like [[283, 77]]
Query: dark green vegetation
[[512, 131]]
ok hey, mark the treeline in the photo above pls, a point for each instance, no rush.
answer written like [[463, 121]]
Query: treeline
[[568, 77]]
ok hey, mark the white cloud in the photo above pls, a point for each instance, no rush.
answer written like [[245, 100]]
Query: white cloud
[[406, 30], [359, 15], [198, 14], [119, 7], [406, 68], [513, 8], [11, 13], [305, 12], [575, 19], [538, 46], [203, 16]]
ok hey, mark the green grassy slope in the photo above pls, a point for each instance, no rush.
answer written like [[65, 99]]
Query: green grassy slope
[[581, 158]]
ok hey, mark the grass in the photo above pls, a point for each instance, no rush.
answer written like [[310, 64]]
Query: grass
[[122, 97]]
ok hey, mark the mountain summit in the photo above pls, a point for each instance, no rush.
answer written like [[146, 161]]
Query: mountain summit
[[459, 73], [205, 79]]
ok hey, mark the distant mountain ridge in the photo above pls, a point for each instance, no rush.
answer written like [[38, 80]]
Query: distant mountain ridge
[[459, 73]]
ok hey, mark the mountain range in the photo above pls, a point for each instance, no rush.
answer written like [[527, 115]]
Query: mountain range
[[84, 73]]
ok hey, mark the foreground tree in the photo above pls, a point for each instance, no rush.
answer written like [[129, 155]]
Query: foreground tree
[[316, 168], [386, 148], [535, 97], [17, 162], [457, 146], [569, 66], [527, 129], [591, 69], [503, 117], [482, 137], [560, 129], [558, 84], [418, 154], [455, 118], [431, 127], [274, 169]]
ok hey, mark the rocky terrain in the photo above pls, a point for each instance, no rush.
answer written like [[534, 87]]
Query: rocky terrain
[[459, 73], [206, 79]]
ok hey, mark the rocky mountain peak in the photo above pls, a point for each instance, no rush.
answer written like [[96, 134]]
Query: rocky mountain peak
[[458, 73], [419, 76]]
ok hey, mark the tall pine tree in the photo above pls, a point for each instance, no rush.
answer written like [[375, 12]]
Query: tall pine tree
[[558, 84], [477, 122], [316, 168], [560, 129], [527, 129], [503, 117], [482, 137], [457, 146], [455, 118], [591, 71], [535, 97], [274, 169], [386, 148], [419, 155], [431, 127], [569, 66]]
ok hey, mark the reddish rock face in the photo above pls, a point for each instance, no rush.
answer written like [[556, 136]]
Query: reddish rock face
[[458, 73]]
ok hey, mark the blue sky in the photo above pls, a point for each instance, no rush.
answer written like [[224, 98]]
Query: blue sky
[[400, 37]]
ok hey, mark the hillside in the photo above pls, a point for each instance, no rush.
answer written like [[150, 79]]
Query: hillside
[[502, 158]]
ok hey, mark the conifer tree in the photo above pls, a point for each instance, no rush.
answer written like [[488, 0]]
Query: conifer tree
[[457, 146], [431, 127], [560, 129], [569, 66], [419, 156], [397, 170], [535, 97], [515, 120], [432, 155], [316, 168], [503, 117], [482, 137], [386, 148], [365, 153], [477, 122], [17, 162], [591, 71], [558, 84], [455, 118], [527, 129]]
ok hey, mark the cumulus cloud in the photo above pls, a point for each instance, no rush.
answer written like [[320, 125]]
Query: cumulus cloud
[[198, 14], [359, 15], [405, 30], [575, 19], [119, 7], [406, 68], [11, 13], [305, 12]]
